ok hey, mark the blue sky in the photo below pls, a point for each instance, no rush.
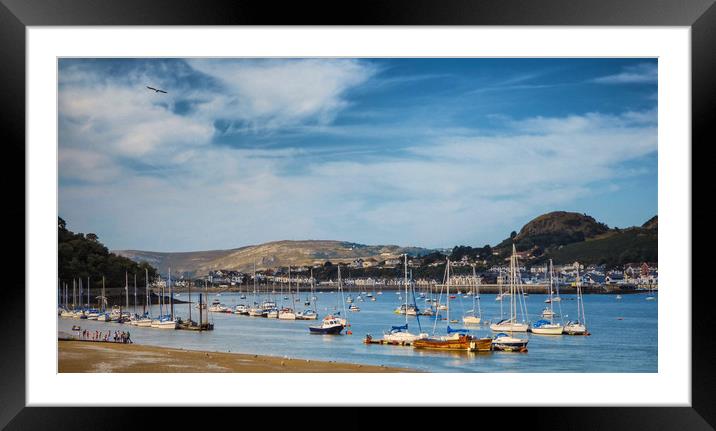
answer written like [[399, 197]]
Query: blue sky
[[425, 152]]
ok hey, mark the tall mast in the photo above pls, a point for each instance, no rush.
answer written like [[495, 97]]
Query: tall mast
[[551, 300], [340, 288], [88, 292], [255, 283], [126, 288], [171, 296], [104, 298], [448, 291], [135, 293], [513, 305], [73, 293], [405, 264], [147, 306]]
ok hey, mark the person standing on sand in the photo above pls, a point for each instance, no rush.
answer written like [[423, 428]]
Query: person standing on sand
[[128, 339]]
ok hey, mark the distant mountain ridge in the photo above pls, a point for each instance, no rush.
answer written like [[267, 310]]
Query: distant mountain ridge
[[562, 236], [268, 255]]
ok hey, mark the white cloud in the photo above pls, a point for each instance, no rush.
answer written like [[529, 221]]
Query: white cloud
[[278, 93], [645, 73]]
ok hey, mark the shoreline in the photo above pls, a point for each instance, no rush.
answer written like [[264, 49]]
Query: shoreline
[[108, 357]]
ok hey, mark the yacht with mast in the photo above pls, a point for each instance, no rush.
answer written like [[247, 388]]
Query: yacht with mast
[[309, 313], [511, 324], [579, 326], [474, 316], [506, 341], [165, 321], [548, 327], [401, 333]]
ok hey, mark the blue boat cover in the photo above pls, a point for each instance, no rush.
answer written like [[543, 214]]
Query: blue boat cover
[[452, 331], [501, 334], [539, 323], [399, 328]]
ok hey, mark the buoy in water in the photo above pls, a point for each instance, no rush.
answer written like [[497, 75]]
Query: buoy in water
[[349, 333]]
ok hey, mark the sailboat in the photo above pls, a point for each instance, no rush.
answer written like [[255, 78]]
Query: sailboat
[[504, 341], [579, 326], [332, 324], [145, 320], [309, 313], [511, 324], [165, 321], [474, 316], [548, 327], [400, 333], [256, 310], [287, 313], [456, 339]]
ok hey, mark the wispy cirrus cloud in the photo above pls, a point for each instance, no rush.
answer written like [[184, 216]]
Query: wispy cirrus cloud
[[645, 73]]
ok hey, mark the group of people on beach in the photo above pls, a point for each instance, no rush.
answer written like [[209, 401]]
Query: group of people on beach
[[117, 337]]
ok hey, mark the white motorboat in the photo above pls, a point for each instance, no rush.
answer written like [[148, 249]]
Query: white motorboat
[[507, 343]]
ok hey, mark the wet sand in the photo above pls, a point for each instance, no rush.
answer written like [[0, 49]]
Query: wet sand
[[94, 357]]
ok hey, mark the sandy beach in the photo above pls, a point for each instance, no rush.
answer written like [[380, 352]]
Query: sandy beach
[[94, 357]]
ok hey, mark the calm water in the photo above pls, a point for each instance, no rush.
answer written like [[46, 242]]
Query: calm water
[[628, 345]]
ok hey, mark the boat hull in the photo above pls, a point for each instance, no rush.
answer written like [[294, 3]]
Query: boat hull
[[548, 330], [471, 320], [509, 327], [464, 343], [166, 324], [143, 323], [575, 330], [509, 344], [333, 330]]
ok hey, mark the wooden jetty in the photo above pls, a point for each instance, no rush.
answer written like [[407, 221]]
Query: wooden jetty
[[369, 340]]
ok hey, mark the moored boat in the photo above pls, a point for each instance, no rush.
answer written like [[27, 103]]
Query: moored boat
[[506, 343], [545, 327], [330, 325]]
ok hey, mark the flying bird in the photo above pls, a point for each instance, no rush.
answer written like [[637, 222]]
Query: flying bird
[[156, 90]]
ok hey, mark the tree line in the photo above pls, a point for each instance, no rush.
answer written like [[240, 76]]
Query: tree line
[[83, 255]]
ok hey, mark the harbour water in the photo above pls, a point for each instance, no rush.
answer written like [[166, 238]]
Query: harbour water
[[624, 335]]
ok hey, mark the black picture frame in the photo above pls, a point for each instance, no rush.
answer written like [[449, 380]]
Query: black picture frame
[[16, 15]]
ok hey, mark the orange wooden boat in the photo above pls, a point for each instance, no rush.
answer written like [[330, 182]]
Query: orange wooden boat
[[456, 342]]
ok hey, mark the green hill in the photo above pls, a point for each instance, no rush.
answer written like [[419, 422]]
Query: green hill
[[566, 237], [614, 249], [82, 256], [555, 229]]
